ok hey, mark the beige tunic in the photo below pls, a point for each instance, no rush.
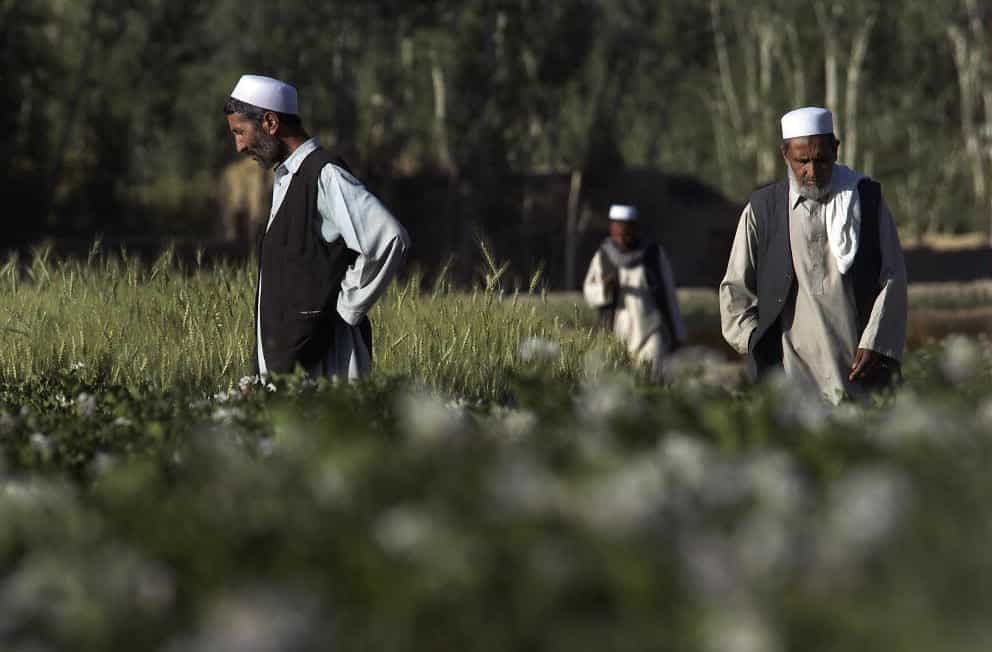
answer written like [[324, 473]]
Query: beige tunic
[[638, 321], [820, 324]]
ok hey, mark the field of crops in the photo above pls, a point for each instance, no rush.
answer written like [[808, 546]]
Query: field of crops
[[502, 483]]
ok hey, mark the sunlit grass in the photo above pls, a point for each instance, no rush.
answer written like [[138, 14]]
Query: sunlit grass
[[191, 328]]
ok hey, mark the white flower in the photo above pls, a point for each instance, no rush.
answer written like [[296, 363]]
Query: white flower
[[709, 564], [520, 485], [103, 463], [76, 366], [40, 442], [737, 628], [607, 399], [700, 365], [266, 446], [269, 387], [226, 415], [624, 499], [401, 529], [228, 395], [800, 402], [329, 485], [683, 459], [764, 545], [537, 349], [85, 405], [122, 422], [984, 415], [257, 621], [154, 587], [248, 381], [515, 423], [864, 509], [959, 359], [427, 420], [911, 418], [775, 483]]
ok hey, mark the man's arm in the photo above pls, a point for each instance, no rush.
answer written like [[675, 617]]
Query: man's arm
[[599, 291], [885, 333], [351, 212], [739, 288]]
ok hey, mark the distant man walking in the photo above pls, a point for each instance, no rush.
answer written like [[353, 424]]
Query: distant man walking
[[631, 283], [816, 283], [329, 249]]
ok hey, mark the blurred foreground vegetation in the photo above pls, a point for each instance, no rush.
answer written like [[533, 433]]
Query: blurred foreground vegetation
[[597, 515], [502, 483]]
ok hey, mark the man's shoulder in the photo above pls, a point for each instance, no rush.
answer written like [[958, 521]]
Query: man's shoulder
[[762, 199], [768, 191], [319, 159]]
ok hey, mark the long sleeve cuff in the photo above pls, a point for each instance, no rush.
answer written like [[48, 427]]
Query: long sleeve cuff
[[351, 317]]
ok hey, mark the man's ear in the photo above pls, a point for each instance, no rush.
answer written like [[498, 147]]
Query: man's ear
[[270, 123]]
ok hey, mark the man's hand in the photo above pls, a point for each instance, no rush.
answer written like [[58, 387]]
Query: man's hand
[[870, 367], [611, 283]]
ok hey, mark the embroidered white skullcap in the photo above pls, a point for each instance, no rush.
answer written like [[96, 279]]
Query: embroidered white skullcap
[[267, 93], [807, 121], [622, 213]]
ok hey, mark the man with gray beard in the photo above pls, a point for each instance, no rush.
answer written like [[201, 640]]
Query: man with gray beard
[[816, 283], [328, 251]]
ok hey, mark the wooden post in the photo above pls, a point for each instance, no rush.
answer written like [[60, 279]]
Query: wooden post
[[572, 230]]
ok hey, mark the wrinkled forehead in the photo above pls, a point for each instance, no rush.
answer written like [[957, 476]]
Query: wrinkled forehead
[[810, 146]]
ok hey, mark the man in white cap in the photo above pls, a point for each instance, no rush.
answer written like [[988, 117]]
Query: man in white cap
[[329, 249], [631, 283], [816, 283]]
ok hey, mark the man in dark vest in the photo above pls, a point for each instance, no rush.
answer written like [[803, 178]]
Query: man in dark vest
[[329, 248], [631, 283], [816, 283]]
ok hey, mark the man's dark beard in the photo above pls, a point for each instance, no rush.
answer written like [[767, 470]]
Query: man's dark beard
[[819, 193], [268, 150]]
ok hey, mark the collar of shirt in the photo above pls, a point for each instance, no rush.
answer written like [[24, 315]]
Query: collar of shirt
[[295, 160], [795, 199]]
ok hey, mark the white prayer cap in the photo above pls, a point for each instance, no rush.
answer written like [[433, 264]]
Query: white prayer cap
[[267, 93], [622, 213], [807, 121]]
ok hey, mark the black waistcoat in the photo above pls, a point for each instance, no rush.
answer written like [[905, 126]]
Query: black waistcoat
[[656, 286], [776, 276], [300, 275]]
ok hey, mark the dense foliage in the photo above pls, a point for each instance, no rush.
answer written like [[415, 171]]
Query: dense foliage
[[113, 106]]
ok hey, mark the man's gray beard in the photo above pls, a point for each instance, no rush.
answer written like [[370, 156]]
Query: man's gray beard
[[268, 150], [808, 192]]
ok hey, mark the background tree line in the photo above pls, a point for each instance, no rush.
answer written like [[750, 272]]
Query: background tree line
[[113, 113]]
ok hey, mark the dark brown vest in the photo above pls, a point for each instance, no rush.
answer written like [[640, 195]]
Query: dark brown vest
[[300, 276], [776, 275]]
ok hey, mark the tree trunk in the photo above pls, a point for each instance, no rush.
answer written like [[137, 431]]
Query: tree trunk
[[72, 109], [854, 66], [965, 62], [572, 229], [830, 56], [730, 98], [440, 114]]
